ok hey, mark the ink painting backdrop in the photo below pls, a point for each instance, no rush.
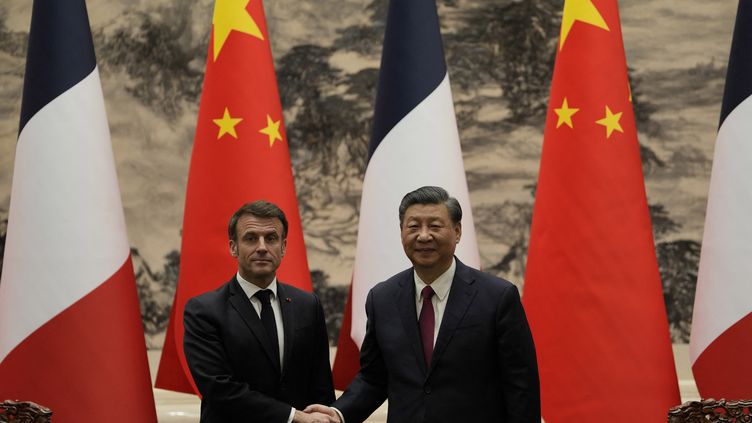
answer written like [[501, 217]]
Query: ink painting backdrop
[[500, 53]]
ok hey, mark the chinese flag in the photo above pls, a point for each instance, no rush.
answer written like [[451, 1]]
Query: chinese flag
[[240, 154], [592, 288]]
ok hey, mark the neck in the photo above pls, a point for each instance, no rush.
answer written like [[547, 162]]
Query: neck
[[430, 274], [261, 282]]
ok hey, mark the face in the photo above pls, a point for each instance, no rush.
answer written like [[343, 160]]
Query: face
[[259, 248], [429, 238]]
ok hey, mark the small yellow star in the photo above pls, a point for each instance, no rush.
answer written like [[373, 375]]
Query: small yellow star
[[565, 114], [611, 122], [227, 124], [579, 10], [231, 15], [272, 130]]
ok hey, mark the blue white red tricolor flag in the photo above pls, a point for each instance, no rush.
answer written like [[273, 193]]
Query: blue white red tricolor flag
[[721, 338], [414, 143], [71, 336]]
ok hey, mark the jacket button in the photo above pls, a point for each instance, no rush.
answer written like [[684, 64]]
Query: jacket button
[[427, 389]]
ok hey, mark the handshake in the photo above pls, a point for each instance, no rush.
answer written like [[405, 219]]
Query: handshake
[[317, 413]]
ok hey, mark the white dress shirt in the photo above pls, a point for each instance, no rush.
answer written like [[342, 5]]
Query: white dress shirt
[[250, 291]]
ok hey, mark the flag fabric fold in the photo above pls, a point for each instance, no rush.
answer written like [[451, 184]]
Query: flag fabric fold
[[414, 143], [592, 288], [71, 336], [722, 316], [240, 154]]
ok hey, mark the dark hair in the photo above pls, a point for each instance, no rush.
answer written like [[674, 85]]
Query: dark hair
[[258, 208], [431, 195]]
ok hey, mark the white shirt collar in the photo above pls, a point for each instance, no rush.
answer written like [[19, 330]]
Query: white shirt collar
[[440, 286], [251, 289]]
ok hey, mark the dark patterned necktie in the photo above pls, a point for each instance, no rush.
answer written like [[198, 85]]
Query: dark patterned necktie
[[267, 319], [427, 322]]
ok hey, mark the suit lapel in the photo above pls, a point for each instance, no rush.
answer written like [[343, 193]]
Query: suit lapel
[[288, 317], [461, 295], [408, 315], [244, 308]]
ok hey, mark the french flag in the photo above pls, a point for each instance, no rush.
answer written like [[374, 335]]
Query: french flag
[[721, 338], [71, 336], [414, 143]]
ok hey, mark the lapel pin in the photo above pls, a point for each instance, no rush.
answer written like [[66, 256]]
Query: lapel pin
[[288, 299]]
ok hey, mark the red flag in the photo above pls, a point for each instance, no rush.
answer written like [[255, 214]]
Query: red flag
[[71, 336], [592, 288], [240, 154]]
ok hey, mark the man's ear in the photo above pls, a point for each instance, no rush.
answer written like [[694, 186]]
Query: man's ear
[[233, 248], [284, 246], [458, 232]]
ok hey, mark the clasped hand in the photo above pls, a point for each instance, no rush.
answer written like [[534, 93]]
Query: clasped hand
[[316, 413]]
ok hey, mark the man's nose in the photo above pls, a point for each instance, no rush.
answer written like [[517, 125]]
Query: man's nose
[[261, 245], [424, 234]]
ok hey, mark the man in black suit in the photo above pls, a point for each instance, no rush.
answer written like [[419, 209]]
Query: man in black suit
[[258, 348], [444, 342]]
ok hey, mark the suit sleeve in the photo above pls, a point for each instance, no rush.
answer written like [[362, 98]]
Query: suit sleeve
[[209, 366], [322, 387], [518, 361], [369, 388]]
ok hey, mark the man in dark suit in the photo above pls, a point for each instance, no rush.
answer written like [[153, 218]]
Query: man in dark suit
[[258, 348], [444, 342]]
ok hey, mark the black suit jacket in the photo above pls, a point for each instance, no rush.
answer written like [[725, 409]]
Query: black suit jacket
[[230, 358], [483, 368]]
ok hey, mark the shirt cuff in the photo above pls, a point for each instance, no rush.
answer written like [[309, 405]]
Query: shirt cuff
[[339, 413], [292, 414]]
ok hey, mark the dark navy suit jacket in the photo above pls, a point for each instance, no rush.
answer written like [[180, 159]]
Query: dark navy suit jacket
[[483, 368], [230, 356]]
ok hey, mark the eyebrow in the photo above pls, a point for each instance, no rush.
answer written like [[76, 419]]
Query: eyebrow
[[261, 232]]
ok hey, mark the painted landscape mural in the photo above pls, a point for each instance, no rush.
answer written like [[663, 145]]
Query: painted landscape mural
[[500, 55]]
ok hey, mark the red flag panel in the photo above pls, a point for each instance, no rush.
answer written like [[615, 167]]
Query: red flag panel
[[592, 288], [240, 154]]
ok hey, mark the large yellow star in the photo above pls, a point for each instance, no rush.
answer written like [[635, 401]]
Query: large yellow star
[[272, 130], [230, 15], [227, 124], [565, 114], [579, 10], [611, 122]]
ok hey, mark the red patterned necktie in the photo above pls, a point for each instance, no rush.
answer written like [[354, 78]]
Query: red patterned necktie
[[427, 322]]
